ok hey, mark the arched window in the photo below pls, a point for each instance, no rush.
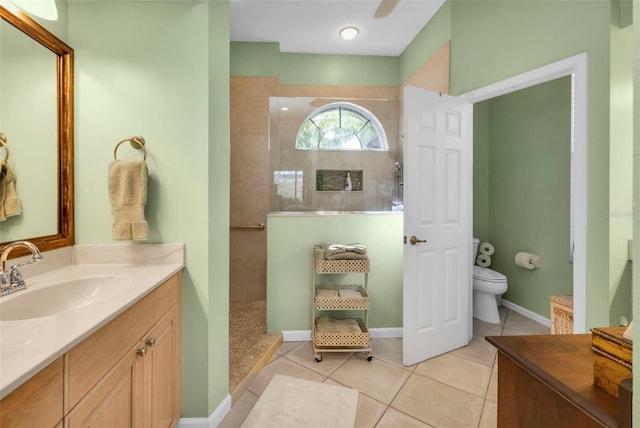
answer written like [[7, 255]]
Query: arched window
[[341, 126]]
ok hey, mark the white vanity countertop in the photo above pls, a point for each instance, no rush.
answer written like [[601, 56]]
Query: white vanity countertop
[[27, 346]]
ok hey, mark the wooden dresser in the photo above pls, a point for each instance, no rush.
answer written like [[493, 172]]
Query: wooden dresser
[[547, 381]]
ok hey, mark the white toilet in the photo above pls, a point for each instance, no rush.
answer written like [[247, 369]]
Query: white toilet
[[488, 287]]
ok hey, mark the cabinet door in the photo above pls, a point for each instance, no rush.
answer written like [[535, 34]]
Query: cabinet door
[[37, 402], [114, 402], [161, 366]]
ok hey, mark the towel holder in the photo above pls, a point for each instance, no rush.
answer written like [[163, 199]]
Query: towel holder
[[137, 142], [3, 145]]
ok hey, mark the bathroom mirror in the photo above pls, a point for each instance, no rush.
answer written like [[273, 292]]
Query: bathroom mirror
[[36, 115]]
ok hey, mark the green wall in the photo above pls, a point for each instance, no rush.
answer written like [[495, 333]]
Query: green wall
[[427, 42], [493, 40], [135, 77], [290, 247], [265, 59], [621, 166], [529, 184], [219, 169]]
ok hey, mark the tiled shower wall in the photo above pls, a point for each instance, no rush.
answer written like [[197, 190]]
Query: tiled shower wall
[[249, 186]]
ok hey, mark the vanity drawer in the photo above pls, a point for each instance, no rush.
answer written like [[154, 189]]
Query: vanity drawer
[[90, 360], [37, 402]]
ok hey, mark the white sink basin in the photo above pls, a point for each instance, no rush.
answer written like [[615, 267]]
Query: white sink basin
[[61, 297]]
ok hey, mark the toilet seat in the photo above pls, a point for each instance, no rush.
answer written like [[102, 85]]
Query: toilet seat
[[488, 275]]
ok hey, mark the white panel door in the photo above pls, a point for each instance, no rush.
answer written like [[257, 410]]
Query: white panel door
[[437, 224]]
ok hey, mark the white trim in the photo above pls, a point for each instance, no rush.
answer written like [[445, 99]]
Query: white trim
[[216, 417], [193, 423], [527, 313], [385, 333], [375, 333], [576, 67], [296, 336], [212, 421]]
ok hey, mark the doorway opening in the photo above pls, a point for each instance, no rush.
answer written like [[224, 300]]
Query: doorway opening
[[576, 68]]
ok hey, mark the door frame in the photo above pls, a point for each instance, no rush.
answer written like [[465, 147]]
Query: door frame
[[576, 67]]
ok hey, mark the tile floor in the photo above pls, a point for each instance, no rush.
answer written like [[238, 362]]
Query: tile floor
[[457, 389]]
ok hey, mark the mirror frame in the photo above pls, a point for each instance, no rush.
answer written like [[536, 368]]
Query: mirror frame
[[65, 235]]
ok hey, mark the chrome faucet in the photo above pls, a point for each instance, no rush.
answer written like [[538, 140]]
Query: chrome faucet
[[12, 281]]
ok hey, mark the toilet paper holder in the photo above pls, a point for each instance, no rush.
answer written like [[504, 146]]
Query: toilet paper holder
[[528, 260]]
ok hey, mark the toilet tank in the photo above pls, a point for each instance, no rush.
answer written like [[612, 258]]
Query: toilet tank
[[476, 243]]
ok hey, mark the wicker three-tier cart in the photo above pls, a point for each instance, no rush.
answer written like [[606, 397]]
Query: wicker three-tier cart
[[340, 334]]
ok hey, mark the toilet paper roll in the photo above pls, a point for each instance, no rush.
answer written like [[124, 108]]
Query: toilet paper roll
[[483, 260], [528, 260], [487, 249]]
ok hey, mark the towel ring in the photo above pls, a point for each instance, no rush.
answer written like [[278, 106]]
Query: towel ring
[[3, 145], [137, 143]]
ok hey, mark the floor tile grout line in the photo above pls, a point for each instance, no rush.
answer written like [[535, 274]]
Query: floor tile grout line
[[394, 397], [383, 407], [451, 386]]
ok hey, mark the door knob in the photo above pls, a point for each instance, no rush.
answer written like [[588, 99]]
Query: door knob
[[142, 351], [415, 240], [151, 342]]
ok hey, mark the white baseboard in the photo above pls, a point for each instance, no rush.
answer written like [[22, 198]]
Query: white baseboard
[[385, 333], [296, 336], [527, 313], [193, 423], [212, 421], [375, 333]]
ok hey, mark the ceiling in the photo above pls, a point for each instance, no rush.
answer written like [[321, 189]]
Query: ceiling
[[312, 26]]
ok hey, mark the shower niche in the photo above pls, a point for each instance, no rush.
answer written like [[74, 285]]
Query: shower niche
[[332, 180]]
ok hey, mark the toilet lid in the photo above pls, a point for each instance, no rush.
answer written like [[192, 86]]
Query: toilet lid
[[488, 275]]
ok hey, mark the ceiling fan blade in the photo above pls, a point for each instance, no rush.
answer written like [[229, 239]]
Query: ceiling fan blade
[[385, 8]]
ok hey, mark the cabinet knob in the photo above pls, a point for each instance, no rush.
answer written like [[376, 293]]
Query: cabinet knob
[[151, 342], [142, 351]]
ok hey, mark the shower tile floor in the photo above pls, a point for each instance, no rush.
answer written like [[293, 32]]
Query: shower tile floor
[[248, 341], [457, 389]]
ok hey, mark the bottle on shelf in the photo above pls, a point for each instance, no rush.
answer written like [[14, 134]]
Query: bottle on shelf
[[348, 186]]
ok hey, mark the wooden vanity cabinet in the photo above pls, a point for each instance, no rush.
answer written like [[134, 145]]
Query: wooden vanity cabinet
[[113, 401], [143, 387], [37, 402], [126, 374]]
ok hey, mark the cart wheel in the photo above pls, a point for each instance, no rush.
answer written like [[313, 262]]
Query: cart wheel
[[370, 357], [318, 358]]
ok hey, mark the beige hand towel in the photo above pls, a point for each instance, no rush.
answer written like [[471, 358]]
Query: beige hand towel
[[347, 256], [350, 294], [9, 200], [323, 292], [331, 249], [128, 196], [333, 325]]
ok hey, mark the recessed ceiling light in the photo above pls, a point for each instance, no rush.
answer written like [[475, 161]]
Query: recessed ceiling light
[[284, 108], [349, 33]]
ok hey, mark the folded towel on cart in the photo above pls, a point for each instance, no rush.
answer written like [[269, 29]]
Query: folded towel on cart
[[321, 292], [347, 256], [333, 325], [331, 250], [350, 294]]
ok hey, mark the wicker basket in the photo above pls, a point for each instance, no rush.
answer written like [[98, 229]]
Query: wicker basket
[[561, 314], [343, 303], [612, 358], [342, 266], [343, 339]]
